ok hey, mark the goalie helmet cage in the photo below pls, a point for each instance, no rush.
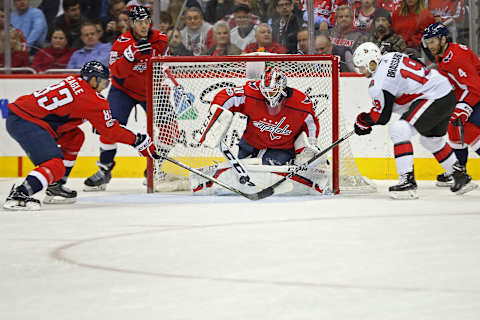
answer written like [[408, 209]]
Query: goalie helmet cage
[[180, 90]]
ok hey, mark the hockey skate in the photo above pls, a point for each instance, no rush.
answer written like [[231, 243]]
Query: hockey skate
[[444, 180], [99, 181], [406, 189], [462, 181], [18, 201], [58, 193]]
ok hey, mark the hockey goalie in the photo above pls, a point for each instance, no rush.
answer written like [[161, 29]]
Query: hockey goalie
[[281, 133]]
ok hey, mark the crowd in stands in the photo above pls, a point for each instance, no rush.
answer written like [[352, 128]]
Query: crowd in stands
[[54, 34]]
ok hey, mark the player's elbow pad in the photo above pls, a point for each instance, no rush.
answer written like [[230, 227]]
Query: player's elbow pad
[[215, 126]]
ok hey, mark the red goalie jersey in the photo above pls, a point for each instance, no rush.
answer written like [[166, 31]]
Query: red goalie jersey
[[462, 67], [263, 129], [130, 76], [63, 106]]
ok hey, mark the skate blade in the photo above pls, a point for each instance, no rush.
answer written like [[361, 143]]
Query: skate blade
[[404, 195], [12, 205], [467, 188], [58, 200], [444, 184], [102, 187]]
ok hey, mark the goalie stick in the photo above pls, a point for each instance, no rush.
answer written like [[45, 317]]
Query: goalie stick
[[309, 162], [239, 169], [267, 192]]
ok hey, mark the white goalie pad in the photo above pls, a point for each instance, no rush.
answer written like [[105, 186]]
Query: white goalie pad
[[305, 149], [309, 181], [215, 126]]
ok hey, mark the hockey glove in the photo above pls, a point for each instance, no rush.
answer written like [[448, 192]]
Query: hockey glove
[[138, 51], [145, 146], [363, 124], [461, 113]]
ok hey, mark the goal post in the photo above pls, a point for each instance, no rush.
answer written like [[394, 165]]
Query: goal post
[[180, 90]]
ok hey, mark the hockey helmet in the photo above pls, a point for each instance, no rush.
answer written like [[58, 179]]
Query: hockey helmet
[[437, 30], [139, 13], [94, 69], [273, 84], [366, 52]]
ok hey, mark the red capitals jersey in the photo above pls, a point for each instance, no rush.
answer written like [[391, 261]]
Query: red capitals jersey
[[324, 8], [263, 129], [130, 77], [65, 105], [462, 67], [447, 10]]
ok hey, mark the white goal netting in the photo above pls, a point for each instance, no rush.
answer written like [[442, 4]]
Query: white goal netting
[[181, 93]]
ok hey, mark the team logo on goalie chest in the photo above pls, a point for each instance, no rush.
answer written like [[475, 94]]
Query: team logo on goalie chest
[[273, 128]]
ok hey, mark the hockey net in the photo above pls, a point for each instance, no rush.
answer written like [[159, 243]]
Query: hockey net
[[182, 88]]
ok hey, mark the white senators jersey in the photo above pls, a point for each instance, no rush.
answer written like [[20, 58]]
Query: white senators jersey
[[398, 81]]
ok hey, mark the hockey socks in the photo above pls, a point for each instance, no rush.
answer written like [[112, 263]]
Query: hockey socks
[[403, 152], [446, 157], [462, 155]]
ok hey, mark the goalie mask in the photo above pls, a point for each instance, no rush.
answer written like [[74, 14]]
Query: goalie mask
[[365, 53], [273, 85]]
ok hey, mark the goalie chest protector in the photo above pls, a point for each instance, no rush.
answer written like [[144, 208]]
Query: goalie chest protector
[[280, 130]]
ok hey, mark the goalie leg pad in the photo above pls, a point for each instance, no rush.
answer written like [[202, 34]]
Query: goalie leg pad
[[215, 126]]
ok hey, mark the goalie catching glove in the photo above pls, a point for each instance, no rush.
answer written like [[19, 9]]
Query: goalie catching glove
[[215, 126], [144, 145], [138, 51], [305, 148]]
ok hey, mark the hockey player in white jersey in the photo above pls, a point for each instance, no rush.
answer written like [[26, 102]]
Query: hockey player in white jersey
[[424, 99]]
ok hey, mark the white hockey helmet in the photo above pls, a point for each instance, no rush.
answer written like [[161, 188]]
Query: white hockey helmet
[[366, 52], [273, 84]]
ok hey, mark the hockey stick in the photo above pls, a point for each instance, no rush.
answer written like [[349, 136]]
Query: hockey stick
[[458, 123], [303, 166], [240, 170], [267, 192]]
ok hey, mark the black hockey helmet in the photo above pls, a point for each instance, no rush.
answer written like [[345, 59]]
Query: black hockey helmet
[[139, 13], [435, 30], [94, 69]]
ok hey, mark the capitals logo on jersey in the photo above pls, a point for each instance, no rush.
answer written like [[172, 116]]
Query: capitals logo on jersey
[[273, 128]]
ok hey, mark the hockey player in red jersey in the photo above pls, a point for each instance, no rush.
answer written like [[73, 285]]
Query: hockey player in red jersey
[[277, 116], [128, 63], [461, 66], [425, 101], [45, 124]]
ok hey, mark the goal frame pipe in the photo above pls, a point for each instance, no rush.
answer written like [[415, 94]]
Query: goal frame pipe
[[206, 59]]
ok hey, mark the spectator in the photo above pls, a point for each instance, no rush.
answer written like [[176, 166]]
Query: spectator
[[94, 9], [265, 42], [383, 36], [223, 46], [302, 41], [100, 30], [451, 13], [18, 45], [70, 21], [56, 56], [230, 18], [364, 14], [323, 45], [343, 34], [175, 44], [31, 22], [217, 9], [244, 32], [93, 49], [115, 7], [116, 28], [323, 13], [410, 20], [166, 22], [51, 9], [194, 35], [286, 25]]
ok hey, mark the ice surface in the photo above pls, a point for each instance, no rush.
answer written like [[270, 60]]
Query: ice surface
[[124, 254]]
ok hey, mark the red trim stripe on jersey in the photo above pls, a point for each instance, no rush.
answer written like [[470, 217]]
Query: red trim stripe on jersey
[[444, 153], [418, 111], [403, 149], [406, 98]]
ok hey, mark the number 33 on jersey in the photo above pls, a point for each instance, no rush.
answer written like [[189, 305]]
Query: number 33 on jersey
[[398, 81]]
